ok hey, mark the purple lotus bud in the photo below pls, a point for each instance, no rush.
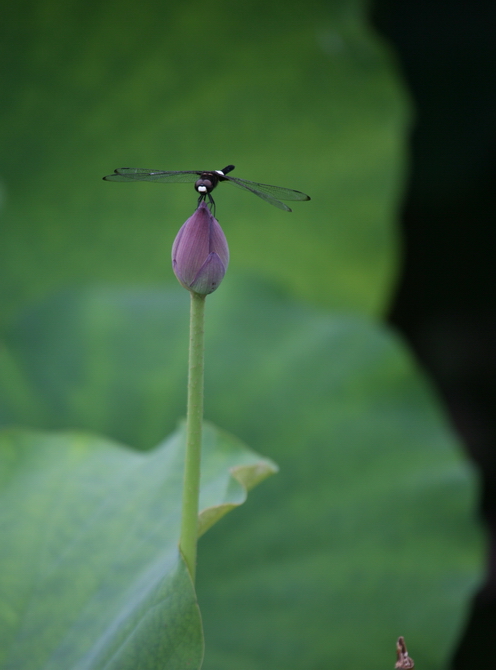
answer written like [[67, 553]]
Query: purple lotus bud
[[200, 254]]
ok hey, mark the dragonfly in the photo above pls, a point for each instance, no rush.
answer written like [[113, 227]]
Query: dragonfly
[[206, 181]]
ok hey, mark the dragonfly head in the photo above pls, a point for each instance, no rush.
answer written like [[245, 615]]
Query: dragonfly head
[[204, 186]]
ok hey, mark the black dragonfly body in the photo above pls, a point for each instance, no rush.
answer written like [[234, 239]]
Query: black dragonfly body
[[206, 181]]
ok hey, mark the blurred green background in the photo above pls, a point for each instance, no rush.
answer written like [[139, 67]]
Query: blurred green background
[[303, 95], [299, 95]]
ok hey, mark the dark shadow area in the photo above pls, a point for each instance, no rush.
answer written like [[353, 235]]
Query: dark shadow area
[[446, 303]]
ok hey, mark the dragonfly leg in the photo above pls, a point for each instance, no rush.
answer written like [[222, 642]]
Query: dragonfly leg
[[211, 203]]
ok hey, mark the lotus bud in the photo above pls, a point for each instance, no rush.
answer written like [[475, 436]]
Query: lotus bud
[[200, 254]]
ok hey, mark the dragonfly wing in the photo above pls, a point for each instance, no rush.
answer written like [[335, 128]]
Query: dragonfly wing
[[278, 192], [242, 183], [143, 174]]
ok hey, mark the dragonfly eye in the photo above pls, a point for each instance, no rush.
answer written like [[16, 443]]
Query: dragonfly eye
[[204, 186]]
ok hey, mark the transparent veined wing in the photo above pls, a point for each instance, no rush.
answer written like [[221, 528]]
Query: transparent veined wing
[[269, 193], [144, 174]]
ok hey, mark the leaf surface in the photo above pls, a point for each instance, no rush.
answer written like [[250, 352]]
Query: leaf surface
[[369, 530], [90, 573]]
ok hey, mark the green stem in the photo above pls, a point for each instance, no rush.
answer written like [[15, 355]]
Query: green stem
[[194, 418]]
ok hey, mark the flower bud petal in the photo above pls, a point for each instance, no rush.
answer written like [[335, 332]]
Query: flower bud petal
[[209, 276], [200, 254]]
